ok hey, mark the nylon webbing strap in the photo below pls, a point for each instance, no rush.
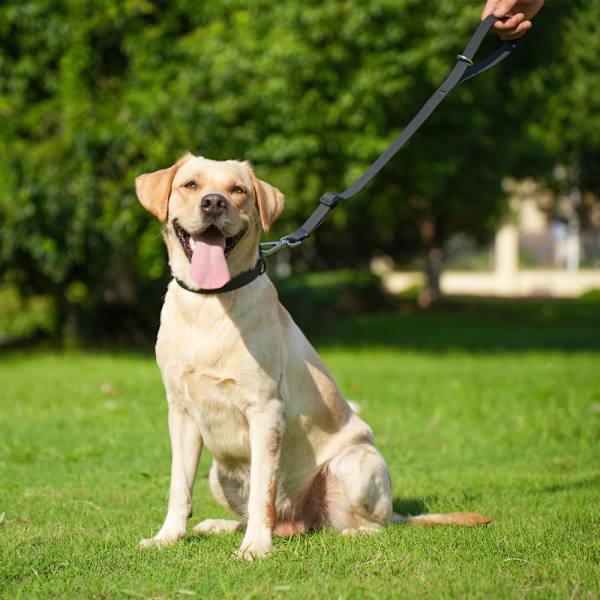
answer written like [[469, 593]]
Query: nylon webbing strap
[[462, 71], [233, 284]]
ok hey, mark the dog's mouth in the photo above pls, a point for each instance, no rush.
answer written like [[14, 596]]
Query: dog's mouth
[[207, 251], [185, 238]]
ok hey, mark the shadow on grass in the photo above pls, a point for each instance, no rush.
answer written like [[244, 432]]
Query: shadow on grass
[[456, 325], [492, 326], [587, 482], [409, 506], [402, 506]]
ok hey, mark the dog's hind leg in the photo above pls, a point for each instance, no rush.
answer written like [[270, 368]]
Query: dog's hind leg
[[214, 526], [358, 496], [231, 494]]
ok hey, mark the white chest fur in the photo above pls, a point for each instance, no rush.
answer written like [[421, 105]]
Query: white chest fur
[[216, 359]]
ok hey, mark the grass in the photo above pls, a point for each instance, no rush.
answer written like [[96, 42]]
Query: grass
[[476, 407]]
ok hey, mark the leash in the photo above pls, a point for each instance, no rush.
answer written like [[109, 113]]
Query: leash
[[464, 70]]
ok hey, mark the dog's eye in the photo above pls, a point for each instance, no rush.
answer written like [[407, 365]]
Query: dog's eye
[[237, 190], [191, 185]]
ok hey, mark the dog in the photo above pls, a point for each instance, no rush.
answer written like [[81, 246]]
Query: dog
[[289, 453]]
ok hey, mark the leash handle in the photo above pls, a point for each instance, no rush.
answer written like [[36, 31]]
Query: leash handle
[[464, 70]]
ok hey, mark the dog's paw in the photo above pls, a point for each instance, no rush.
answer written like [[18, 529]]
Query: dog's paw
[[161, 540], [214, 526], [362, 530], [253, 549]]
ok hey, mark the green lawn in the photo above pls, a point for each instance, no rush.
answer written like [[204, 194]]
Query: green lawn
[[487, 408]]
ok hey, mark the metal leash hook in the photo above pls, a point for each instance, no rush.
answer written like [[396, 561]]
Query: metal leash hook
[[268, 248]]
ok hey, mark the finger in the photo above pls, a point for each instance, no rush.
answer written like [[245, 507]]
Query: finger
[[512, 23], [504, 6], [518, 32], [488, 9], [509, 27]]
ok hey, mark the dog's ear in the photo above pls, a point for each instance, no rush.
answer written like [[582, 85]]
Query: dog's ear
[[269, 199], [153, 189]]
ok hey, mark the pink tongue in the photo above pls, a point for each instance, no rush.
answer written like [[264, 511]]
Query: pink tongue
[[209, 267]]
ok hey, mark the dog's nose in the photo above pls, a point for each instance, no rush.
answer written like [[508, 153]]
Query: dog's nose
[[213, 204]]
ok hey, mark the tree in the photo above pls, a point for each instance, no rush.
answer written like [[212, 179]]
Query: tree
[[564, 92], [94, 93]]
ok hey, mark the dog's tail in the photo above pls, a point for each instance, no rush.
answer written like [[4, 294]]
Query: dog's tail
[[466, 519]]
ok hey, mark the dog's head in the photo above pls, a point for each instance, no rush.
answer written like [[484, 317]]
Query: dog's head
[[212, 213]]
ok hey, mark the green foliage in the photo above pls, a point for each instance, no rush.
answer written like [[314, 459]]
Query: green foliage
[[314, 299], [470, 411], [569, 123], [592, 297], [411, 294], [24, 317], [94, 93]]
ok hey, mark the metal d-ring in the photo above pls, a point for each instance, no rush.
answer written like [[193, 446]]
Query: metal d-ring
[[466, 59]]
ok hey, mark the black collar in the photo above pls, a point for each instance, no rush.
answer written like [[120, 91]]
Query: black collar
[[237, 282]]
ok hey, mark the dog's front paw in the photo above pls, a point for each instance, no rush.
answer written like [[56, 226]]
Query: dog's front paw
[[252, 549], [162, 539]]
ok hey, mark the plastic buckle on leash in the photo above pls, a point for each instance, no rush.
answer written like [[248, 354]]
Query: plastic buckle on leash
[[330, 199], [268, 248]]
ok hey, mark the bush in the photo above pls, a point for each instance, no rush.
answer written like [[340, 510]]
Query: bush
[[24, 318], [591, 296], [313, 299]]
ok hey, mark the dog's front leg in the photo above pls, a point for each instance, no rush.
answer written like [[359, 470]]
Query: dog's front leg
[[186, 445], [265, 424]]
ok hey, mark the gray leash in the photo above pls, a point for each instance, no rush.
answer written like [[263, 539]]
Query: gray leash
[[464, 70]]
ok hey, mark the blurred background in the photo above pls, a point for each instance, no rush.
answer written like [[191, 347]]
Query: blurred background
[[496, 197]]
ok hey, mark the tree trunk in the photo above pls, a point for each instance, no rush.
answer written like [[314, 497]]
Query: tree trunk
[[67, 319], [431, 292], [71, 325]]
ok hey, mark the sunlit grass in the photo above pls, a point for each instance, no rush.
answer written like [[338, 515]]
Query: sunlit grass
[[511, 430]]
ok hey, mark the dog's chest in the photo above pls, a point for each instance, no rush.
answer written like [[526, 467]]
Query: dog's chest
[[223, 426], [216, 398], [215, 376]]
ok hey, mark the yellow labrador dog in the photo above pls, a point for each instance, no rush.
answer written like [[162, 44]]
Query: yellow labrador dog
[[289, 453]]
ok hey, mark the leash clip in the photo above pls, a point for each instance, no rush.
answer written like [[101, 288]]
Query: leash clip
[[268, 248], [463, 58]]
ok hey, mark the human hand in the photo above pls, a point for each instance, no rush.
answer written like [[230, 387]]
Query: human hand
[[519, 13]]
